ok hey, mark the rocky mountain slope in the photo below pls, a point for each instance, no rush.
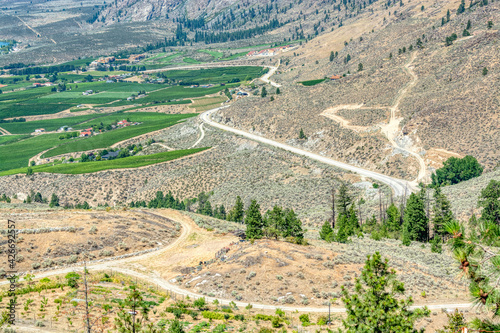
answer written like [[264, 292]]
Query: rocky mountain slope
[[397, 58]]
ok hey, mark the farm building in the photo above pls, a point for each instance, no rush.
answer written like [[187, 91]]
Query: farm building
[[85, 133]]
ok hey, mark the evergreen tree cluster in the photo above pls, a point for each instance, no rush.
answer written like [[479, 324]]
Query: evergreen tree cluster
[[418, 218], [456, 170], [347, 220], [275, 223], [5, 198], [43, 70]]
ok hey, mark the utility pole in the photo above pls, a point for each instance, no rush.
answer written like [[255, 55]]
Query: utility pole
[[359, 211], [329, 320], [86, 296], [380, 205], [333, 207]]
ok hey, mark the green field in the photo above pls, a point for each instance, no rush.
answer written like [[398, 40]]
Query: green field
[[15, 154], [215, 54], [150, 122], [189, 60], [311, 82], [235, 56], [121, 163], [162, 58], [49, 125], [5, 139], [215, 75], [42, 100]]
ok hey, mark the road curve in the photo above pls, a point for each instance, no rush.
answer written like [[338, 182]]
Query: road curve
[[399, 186], [154, 278]]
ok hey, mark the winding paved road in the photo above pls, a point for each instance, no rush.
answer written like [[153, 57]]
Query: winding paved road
[[399, 186]]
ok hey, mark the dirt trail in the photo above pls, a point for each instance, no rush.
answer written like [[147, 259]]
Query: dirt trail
[[266, 77], [32, 29], [177, 253], [202, 135], [391, 129], [332, 114]]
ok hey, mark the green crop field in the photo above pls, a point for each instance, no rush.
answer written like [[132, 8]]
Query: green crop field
[[6, 139], [150, 122], [189, 60], [42, 100], [215, 54], [17, 154], [121, 163], [50, 124], [311, 82], [235, 56], [215, 75], [162, 58]]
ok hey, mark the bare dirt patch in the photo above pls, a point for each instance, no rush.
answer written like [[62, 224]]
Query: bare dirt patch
[[62, 237]]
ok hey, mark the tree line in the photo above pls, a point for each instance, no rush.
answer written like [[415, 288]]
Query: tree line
[[276, 223], [418, 218], [42, 70]]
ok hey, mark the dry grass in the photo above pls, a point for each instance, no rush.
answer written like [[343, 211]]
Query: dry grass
[[93, 235]]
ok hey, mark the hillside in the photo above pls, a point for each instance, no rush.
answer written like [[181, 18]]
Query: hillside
[[402, 109]]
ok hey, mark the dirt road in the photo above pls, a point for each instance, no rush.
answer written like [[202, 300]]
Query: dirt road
[[391, 129], [190, 231]]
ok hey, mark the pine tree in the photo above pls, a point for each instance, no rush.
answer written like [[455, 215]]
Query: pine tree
[[278, 91], [237, 212], [302, 135], [485, 71], [448, 16], [415, 217], [360, 67], [263, 93], [253, 220], [490, 202], [344, 198], [377, 305], [293, 226], [275, 222], [442, 212], [352, 220], [207, 209], [469, 25], [326, 232], [393, 218], [222, 212], [342, 233], [461, 7], [406, 237], [332, 56]]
